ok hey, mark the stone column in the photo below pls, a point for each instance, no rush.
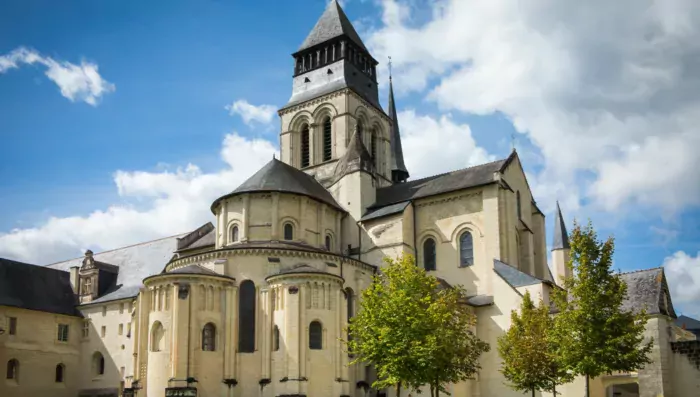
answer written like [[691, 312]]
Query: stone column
[[224, 220], [275, 217], [243, 232]]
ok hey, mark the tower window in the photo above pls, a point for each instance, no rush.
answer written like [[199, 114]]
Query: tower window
[[315, 336], [234, 233], [276, 338], [209, 338], [288, 231], [466, 250], [328, 242], [429, 254], [305, 155], [373, 147], [246, 317], [327, 139], [517, 197]]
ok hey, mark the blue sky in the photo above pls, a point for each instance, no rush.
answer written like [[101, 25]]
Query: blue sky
[[131, 132]]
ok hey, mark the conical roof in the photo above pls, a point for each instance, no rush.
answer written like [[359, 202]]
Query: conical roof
[[356, 158], [333, 23], [561, 237], [398, 167], [277, 176]]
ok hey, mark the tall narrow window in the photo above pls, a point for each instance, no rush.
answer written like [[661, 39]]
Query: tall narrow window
[[327, 139], [466, 250], [305, 155], [517, 197], [328, 242], [59, 373], [157, 337], [315, 335], [234, 233], [360, 130], [275, 338], [13, 326], [86, 328], [13, 370], [246, 317], [209, 338], [429, 254], [350, 296], [63, 332], [373, 147], [288, 231]]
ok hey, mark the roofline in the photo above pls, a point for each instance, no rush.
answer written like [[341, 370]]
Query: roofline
[[433, 195], [78, 315], [232, 194], [292, 274], [172, 275], [643, 270], [195, 248], [108, 300]]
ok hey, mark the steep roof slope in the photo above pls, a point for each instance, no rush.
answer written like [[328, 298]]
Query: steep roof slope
[[646, 288], [36, 288], [332, 23]]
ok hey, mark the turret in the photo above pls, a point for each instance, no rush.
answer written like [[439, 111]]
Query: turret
[[560, 249], [399, 173]]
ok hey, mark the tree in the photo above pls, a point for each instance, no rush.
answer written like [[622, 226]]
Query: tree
[[528, 351], [412, 331], [595, 336]]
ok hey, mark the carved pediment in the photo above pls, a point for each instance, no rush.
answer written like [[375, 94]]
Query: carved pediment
[[88, 261]]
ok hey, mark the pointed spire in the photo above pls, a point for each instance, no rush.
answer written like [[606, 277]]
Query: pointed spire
[[356, 158], [399, 173], [333, 23], [561, 237]]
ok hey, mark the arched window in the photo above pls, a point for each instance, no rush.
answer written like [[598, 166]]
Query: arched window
[[246, 317], [60, 368], [315, 336], [517, 196], [13, 370], [328, 242], [98, 363], [288, 231], [209, 338], [327, 139], [350, 297], [157, 337], [234, 233], [275, 338], [305, 155], [429, 254], [466, 250]]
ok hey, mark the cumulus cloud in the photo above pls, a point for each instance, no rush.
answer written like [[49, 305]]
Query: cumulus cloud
[[76, 82], [250, 114], [602, 89], [683, 273], [175, 201], [424, 139]]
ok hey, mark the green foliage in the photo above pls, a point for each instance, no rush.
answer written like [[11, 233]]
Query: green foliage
[[412, 331], [595, 336], [528, 351]]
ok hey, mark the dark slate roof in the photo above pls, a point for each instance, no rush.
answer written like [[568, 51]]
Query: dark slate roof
[[135, 263], [397, 164], [480, 300], [688, 323], [356, 158], [195, 236], [456, 180], [277, 176], [385, 211], [646, 288], [513, 276], [36, 288], [561, 237], [333, 23], [205, 240]]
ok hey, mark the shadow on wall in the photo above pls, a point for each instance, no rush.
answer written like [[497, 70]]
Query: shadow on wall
[[101, 376]]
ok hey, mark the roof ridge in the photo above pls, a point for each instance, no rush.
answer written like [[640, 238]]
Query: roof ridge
[[30, 264], [117, 249], [643, 270], [449, 172]]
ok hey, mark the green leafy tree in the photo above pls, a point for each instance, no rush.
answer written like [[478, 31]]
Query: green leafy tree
[[594, 334], [528, 351], [412, 331]]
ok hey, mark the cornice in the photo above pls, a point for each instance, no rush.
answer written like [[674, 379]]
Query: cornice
[[449, 199]]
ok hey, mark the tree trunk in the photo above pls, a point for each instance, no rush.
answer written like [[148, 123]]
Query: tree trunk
[[533, 392], [554, 390], [398, 390], [588, 389]]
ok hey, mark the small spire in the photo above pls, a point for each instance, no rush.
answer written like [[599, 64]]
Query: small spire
[[399, 173], [389, 68], [561, 237]]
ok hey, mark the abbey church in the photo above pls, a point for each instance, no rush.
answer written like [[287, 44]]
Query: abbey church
[[254, 303]]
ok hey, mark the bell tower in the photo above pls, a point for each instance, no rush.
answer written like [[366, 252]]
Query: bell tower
[[334, 95]]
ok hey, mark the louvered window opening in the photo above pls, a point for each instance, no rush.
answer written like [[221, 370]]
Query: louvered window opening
[[327, 140], [305, 147]]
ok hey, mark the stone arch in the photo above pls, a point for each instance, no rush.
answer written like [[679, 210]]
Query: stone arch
[[209, 337], [98, 364], [157, 337], [428, 252], [466, 225], [316, 335], [295, 226], [323, 110], [299, 119]]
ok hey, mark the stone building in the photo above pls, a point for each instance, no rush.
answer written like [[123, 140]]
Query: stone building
[[254, 304]]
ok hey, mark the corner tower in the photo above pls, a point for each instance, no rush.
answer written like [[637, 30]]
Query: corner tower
[[334, 95], [560, 249]]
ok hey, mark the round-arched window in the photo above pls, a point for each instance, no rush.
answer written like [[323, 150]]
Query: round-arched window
[[466, 249]]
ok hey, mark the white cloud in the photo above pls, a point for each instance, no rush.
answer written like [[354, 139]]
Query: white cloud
[[605, 90], [683, 273], [250, 114], [76, 82], [425, 139], [175, 202]]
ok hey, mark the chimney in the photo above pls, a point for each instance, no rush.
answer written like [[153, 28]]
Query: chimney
[[74, 279]]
